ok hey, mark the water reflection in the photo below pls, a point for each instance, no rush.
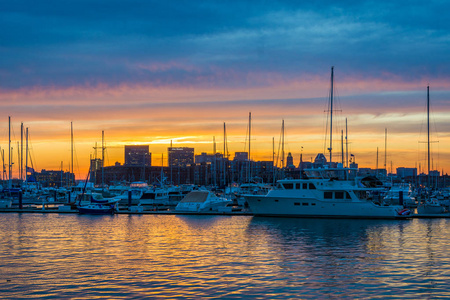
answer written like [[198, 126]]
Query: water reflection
[[144, 256], [364, 255]]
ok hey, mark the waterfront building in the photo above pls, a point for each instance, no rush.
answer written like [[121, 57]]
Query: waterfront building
[[181, 156], [320, 161], [137, 155], [240, 156], [406, 172], [49, 178], [204, 157]]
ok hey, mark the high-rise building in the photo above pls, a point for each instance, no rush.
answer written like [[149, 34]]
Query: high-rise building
[[181, 156], [96, 164], [137, 155]]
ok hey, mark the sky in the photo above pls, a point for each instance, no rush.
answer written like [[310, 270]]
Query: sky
[[156, 72]]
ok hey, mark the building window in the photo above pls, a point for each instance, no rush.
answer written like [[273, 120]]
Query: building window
[[312, 186], [297, 186], [305, 186]]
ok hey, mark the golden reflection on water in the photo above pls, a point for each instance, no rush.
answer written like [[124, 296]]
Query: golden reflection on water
[[136, 256]]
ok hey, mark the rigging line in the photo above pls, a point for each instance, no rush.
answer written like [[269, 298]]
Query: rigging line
[[30, 148]]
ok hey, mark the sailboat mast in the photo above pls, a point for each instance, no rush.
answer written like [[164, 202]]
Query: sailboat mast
[[71, 152], [215, 161], [9, 152], [103, 159], [282, 144], [224, 153], [331, 113], [273, 160], [249, 141], [342, 147], [428, 131], [21, 151], [26, 154], [385, 149], [18, 158], [346, 144]]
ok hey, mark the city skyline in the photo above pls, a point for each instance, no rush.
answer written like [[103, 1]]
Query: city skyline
[[150, 73]]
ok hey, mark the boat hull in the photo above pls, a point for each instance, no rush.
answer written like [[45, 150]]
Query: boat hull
[[96, 210]]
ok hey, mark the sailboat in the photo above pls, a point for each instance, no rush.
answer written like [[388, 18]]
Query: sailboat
[[329, 192], [96, 204], [431, 205]]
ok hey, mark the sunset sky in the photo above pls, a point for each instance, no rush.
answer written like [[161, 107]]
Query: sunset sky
[[151, 72]]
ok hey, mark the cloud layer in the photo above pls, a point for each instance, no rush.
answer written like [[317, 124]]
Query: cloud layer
[[147, 71]]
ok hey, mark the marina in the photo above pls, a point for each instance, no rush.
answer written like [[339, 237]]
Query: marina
[[224, 150]]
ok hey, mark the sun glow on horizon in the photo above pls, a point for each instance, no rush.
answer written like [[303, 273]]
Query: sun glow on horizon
[[193, 117]]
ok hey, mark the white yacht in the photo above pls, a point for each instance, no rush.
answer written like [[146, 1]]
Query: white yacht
[[328, 193]]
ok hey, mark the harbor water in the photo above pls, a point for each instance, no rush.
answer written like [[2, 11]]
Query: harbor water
[[68, 256]]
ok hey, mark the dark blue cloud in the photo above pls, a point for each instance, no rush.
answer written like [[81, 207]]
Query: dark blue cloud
[[66, 43]]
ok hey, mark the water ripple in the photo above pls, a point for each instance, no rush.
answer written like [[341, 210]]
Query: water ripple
[[135, 257]]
